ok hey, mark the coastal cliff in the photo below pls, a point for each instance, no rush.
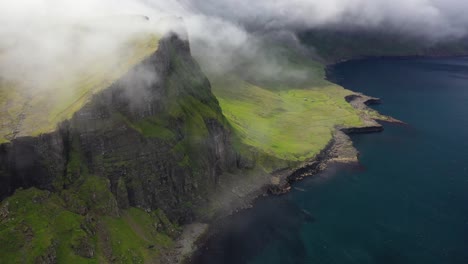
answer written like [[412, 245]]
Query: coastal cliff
[[156, 150], [150, 148]]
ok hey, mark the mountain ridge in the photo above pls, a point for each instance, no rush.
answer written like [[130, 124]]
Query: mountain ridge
[[155, 152]]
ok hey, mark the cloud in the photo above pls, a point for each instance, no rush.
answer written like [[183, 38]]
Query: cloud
[[432, 17], [41, 40], [39, 37]]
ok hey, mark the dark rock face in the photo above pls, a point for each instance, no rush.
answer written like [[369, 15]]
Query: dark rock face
[[361, 130], [173, 170], [28, 162]]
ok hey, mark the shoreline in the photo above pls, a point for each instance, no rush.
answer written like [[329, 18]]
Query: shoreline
[[338, 151]]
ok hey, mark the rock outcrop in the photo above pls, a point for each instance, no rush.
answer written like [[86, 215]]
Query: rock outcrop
[[157, 134]]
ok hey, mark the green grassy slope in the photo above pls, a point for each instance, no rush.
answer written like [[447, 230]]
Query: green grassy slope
[[36, 109], [79, 225], [291, 124], [288, 121]]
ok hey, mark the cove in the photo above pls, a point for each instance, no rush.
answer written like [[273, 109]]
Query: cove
[[407, 201]]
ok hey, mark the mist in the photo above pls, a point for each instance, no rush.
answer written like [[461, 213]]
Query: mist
[[39, 39], [435, 18]]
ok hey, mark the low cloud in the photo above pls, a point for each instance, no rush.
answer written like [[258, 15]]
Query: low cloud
[[41, 38], [435, 18]]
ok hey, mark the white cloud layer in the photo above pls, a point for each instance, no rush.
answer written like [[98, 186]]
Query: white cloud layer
[[432, 17], [39, 35]]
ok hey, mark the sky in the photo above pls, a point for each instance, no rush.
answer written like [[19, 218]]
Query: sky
[[38, 35]]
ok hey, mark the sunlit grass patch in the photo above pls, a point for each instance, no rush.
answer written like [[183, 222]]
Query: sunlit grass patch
[[30, 111], [290, 124]]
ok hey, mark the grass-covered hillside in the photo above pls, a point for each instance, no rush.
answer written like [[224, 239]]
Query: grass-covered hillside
[[288, 121], [291, 123], [31, 108], [80, 225]]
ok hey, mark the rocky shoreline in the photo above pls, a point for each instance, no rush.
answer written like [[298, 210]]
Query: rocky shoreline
[[339, 150]]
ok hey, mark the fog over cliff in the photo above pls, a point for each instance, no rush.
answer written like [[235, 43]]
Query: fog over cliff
[[38, 35]]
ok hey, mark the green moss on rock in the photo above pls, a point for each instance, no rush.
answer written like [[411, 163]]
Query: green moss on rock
[[37, 226]]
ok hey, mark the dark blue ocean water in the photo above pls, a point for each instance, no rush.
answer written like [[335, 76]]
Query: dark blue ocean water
[[406, 203]]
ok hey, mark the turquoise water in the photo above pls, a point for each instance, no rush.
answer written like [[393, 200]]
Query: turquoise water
[[406, 203]]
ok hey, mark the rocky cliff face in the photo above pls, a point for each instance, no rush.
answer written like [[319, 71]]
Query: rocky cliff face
[[158, 135]]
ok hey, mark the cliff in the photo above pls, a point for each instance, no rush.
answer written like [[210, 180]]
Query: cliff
[[156, 150], [153, 144]]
